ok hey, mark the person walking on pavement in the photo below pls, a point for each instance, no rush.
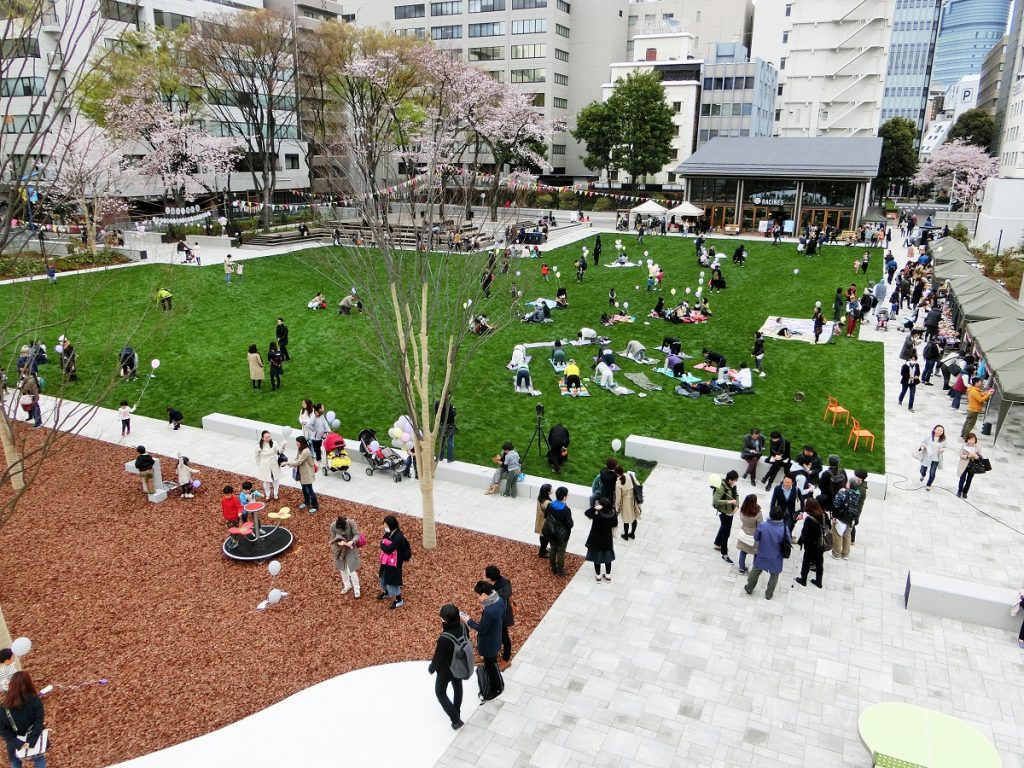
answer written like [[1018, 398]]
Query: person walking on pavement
[[726, 501], [503, 586], [771, 536], [812, 540], [557, 529], [488, 633], [976, 399], [453, 631], [910, 377]]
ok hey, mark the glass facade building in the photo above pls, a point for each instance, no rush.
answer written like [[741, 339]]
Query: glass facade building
[[915, 29], [968, 31]]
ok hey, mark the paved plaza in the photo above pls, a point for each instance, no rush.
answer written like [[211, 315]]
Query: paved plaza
[[672, 664]]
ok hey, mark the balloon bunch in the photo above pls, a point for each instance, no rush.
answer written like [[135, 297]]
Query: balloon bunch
[[332, 419], [275, 595], [401, 433]]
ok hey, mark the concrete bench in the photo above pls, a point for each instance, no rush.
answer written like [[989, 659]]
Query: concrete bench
[[247, 428], [158, 481], [731, 229], [963, 600], [477, 476], [713, 460]]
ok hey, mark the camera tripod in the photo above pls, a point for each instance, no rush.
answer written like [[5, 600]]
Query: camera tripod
[[540, 437]]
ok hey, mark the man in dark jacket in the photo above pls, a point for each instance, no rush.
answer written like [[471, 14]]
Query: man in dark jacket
[[144, 463], [809, 464], [452, 630], [832, 481], [778, 457], [931, 354], [559, 513], [503, 586], [488, 633], [786, 497], [931, 322], [281, 332], [558, 441]]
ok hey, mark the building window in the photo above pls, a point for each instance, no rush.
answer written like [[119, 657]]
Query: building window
[[525, 5], [727, 83], [778, 115], [558, 149], [21, 123], [490, 29], [560, 103], [561, 55], [492, 53], [529, 75], [417, 11], [675, 130], [118, 11], [560, 30], [446, 8], [671, 178], [564, 7], [22, 86], [447, 32], [172, 20], [19, 48], [748, 83], [528, 51], [498, 75], [485, 6], [529, 26], [420, 32], [291, 162], [708, 83], [632, 21], [782, 63], [677, 106], [537, 99], [785, 36], [561, 79], [779, 89], [789, 9]]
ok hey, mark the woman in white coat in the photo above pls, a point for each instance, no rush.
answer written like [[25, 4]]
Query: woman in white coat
[[626, 503], [268, 468], [344, 542], [931, 451]]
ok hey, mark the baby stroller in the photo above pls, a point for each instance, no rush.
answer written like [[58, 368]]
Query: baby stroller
[[882, 320], [380, 458], [337, 459]]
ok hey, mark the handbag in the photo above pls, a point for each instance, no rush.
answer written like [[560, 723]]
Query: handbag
[[918, 453], [980, 465], [361, 540], [388, 558]]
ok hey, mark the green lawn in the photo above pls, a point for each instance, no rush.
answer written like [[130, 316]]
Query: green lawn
[[202, 346]]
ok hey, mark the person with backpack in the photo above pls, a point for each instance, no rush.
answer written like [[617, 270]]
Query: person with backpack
[[773, 546], [813, 540], [503, 586], [452, 663], [931, 354], [488, 638], [844, 511], [557, 529], [395, 551], [831, 481], [629, 499]]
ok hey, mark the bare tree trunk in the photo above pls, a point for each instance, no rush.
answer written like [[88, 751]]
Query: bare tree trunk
[[15, 466]]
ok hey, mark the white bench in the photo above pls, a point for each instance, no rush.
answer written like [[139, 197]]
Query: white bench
[[712, 460], [236, 426], [158, 481], [963, 600], [478, 476]]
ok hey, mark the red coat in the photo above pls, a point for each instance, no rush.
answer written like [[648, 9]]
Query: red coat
[[230, 508]]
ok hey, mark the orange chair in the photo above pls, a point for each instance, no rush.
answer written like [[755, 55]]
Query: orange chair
[[856, 433], [835, 409]]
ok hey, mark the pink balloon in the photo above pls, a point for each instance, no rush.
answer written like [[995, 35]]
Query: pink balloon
[[196, 483]]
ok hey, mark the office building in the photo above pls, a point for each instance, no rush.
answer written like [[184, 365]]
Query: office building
[[831, 58], [958, 99], [738, 95], [991, 81], [915, 28], [721, 21], [968, 31]]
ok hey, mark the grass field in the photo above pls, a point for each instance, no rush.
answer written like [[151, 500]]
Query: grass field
[[202, 346]]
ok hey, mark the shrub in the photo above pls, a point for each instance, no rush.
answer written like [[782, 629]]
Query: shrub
[[960, 232], [567, 201], [603, 204]]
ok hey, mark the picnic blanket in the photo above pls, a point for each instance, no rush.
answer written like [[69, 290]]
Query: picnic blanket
[[559, 367], [688, 378], [645, 361], [616, 264], [618, 389], [550, 302], [705, 367], [583, 392], [614, 366], [801, 328], [534, 392], [641, 380]]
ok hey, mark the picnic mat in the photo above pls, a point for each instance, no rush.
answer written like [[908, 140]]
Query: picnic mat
[[614, 366], [641, 380], [619, 390], [803, 327], [645, 361], [688, 378], [565, 390], [559, 367], [705, 367], [550, 302], [534, 392], [627, 264]]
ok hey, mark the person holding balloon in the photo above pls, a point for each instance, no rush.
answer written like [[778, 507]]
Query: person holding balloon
[[22, 724], [186, 478], [268, 464]]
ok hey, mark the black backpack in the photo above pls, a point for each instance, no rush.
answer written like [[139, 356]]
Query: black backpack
[[405, 550], [463, 661], [638, 490]]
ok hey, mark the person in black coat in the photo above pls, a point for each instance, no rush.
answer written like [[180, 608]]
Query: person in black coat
[[601, 540], [778, 458], [174, 417], [713, 358], [815, 524], [607, 479], [830, 482], [22, 721], [452, 630], [559, 512], [503, 586], [808, 464], [395, 552], [281, 332], [558, 441], [910, 377], [488, 633], [787, 498]]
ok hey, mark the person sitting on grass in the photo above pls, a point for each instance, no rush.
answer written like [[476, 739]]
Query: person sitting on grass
[[317, 302], [703, 307], [350, 302], [781, 329], [524, 382], [573, 383], [561, 298], [480, 325], [540, 312], [743, 382], [659, 308], [558, 354], [587, 335], [675, 364]]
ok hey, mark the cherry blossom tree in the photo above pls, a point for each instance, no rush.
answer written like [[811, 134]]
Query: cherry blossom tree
[[87, 174], [960, 168]]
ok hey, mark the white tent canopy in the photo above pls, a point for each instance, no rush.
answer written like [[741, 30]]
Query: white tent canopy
[[649, 207], [687, 211]]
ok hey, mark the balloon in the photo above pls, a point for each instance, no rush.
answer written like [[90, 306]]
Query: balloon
[[649, 261], [616, 444], [409, 445], [275, 596], [558, 275], [274, 566], [469, 302], [699, 292], [673, 291], [287, 432], [702, 273], [374, 446], [796, 271], [616, 305], [520, 294], [817, 304], [154, 363], [21, 646], [406, 437], [646, 254], [397, 442], [625, 305], [196, 483], [519, 274], [331, 416], [637, 287], [395, 433], [687, 290], [335, 423], [700, 281]]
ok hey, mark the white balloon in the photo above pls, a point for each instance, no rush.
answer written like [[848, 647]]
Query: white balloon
[[699, 292], [702, 273], [637, 287], [469, 302], [465, 306], [397, 442], [330, 416], [275, 596], [687, 290], [646, 254], [519, 274], [21, 646], [673, 291], [335, 423], [409, 445], [154, 363], [616, 444], [625, 305], [796, 271], [558, 275], [274, 566], [700, 281]]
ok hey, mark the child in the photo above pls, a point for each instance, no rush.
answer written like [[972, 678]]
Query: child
[[230, 508], [544, 272], [125, 412], [174, 417], [611, 297], [185, 476], [660, 277], [650, 282], [51, 273], [240, 271], [247, 494]]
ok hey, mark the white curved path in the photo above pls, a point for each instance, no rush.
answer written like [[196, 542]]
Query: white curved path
[[342, 720]]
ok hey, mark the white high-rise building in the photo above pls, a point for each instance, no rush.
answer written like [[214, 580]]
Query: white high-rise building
[[831, 58], [708, 21]]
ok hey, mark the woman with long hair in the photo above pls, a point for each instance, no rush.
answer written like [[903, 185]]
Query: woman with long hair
[[22, 720], [307, 473], [968, 453], [625, 502], [305, 412], [543, 499], [268, 466], [255, 367], [812, 539], [750, 516], [394, 552], [932, 449]]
